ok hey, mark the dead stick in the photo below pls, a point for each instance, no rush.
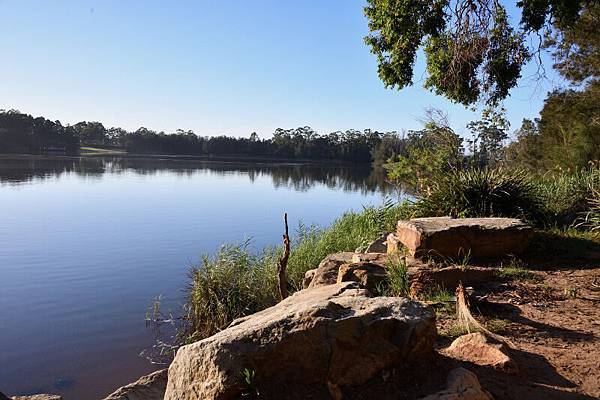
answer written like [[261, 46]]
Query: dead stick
[[282, 263]]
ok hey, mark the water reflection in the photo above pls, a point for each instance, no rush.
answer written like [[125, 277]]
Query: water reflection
[[17, 170]]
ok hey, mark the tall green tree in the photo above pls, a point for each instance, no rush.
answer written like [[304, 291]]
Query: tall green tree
[[487, 138], [567, 135]]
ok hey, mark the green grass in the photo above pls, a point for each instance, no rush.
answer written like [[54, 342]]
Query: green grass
[[566, 196], [397, 283], [515, 269]]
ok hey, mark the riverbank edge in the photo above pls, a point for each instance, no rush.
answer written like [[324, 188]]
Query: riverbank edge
[[202, 158]]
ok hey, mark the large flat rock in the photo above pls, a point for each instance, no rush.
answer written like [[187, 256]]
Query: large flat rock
[[149, 387], [320, 338], [460, 237]]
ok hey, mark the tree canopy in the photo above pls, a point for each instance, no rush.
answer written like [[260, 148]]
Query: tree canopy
[[472, 51]]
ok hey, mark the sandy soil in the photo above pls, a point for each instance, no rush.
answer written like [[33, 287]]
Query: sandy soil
[[552, 318], [554, 321]]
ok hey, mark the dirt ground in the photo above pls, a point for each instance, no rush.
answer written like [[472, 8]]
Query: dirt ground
[[552, 318]]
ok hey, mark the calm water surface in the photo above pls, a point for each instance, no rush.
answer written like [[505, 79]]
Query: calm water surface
[[85, 244]]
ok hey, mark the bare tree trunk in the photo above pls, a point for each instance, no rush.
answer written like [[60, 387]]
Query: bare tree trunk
[[282, 263], [467, 320]]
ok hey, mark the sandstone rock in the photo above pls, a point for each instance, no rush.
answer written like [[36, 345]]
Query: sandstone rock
[[461, 384], [476, 348], [374, 258], [392, 243], [379, 245], [38, 397], [149, 387], [327, 271], [458, 237], [367, 274], [308, 278], [332, 336]]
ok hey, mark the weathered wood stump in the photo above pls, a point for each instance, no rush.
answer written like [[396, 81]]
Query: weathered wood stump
[[454, 238]]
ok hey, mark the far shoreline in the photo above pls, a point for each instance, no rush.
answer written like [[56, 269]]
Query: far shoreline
[[183, 157]]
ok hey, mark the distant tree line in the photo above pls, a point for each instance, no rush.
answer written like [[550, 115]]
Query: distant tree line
[[22, 133]]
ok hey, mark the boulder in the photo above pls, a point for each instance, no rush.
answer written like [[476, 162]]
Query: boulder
[[330, 336], [392, 243], [367, 274], [381, 259], [476, 348], [455, 238], [38, 397], [461, 384], [308, 278], [149, 387], [379, 245], [327, 271]]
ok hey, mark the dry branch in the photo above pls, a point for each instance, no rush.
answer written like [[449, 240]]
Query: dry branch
[[282, 263]]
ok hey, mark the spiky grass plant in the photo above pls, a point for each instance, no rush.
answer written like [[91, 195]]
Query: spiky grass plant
[[591, 218], [482, 193], [567, 196]]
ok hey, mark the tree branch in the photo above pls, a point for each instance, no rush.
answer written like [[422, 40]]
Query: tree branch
[[282, 263]]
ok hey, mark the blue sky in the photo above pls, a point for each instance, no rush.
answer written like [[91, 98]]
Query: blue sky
[[216, 67]]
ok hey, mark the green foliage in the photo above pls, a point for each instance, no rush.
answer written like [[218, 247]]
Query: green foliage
[[397, 283], [21, 133], [575, 46], [566, 195], [391, 145], [440, 295], [567, 135], [537, 13], [569, 130], [399, 27], [488, 135], [481, 193], [472, 51], [429, 152], [590, 219]]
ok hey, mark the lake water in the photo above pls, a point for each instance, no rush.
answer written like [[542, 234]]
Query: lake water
[[86, 244]]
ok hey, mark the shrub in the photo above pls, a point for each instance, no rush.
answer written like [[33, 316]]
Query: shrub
[[482, 193], [566, 196]]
